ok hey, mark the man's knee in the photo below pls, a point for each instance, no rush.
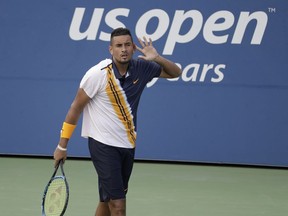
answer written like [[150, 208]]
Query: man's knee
[[117, 207]]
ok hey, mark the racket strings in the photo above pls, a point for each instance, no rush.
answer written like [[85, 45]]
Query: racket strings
[[55, 198]]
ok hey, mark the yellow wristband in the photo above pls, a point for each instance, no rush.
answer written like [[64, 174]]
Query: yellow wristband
[[67, 130]]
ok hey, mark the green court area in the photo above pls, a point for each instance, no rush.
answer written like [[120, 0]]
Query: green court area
[[155, 189]]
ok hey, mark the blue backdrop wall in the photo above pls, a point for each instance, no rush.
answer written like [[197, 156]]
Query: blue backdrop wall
[[229, 106]]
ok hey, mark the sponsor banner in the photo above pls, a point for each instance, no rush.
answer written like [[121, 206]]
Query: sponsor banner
[[229, 105]]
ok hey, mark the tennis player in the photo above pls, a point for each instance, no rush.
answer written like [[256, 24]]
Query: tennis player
[[108, 96]]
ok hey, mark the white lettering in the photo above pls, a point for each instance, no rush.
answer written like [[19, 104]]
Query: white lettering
[[193, 77], [191, 73], [143, 21], [213, 24], [205, 70], [214, 28], [219, 73], [152, 82], [174, 33], [244, 19], [91, 32], [111, 21]]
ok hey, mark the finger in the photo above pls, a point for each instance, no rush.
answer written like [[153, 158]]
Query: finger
[[150, 42], [141, 42], [56, 162], [146, 41], [139, 49], [63, 160]]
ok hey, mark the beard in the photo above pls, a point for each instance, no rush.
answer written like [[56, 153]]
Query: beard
[[123, 59], [123, 62]]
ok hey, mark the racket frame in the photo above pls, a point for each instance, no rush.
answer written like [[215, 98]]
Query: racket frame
[[53, 177]]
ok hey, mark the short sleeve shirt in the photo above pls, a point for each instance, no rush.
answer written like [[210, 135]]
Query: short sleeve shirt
[[110, 116]]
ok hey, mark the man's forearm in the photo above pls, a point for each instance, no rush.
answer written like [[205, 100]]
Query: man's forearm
[[170, 68]]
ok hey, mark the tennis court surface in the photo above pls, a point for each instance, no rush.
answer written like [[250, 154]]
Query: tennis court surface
[[155, 189]]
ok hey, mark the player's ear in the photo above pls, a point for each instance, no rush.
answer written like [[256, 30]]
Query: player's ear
[[110, 50]]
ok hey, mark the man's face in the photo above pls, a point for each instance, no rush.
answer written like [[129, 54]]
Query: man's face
[[122, 49]]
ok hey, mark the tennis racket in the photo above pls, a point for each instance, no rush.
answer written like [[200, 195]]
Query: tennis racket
[[56, 194]]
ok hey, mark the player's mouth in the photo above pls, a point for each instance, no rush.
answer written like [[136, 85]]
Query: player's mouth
[[124, 56]]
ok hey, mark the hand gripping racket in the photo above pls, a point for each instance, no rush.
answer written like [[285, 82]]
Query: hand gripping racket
[[56, 194]]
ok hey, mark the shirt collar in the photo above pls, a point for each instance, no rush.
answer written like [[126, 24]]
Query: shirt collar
[[116, 71]]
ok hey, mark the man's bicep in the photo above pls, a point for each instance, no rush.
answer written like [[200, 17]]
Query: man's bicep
[[81, 99]]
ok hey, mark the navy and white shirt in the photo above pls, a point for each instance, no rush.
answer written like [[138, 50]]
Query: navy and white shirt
[[110, 116]]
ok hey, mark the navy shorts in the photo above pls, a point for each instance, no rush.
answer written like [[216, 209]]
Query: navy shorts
[[113, 166]]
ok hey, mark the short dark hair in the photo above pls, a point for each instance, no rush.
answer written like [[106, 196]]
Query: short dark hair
[[120, 31]]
